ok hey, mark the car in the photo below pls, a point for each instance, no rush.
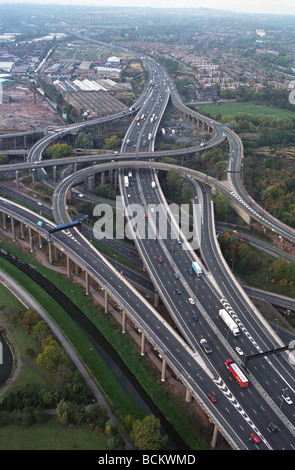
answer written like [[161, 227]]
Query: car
[[272, 427], [260, 213], [212, 397], [160, 260], [195, 318], [178, 240], [129, 195], [176, 275], [177, 291], [152, 209], [251, 203], [132, 253], [39, 203], [254, 438], [239, 351], [191, 300], [205, 346], [287, 399], [244, 238], [145, 215], [40, 224], [190, 271], [80, 195]]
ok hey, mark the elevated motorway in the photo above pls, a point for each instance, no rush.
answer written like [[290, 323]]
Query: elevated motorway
[[187, 321], [235, 415]]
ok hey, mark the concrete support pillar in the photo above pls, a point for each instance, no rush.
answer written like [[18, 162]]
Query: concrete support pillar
[[75, 168], [91, 183], [142, 351], [106, 302], [40, 241], [214, 437], [17, 179], [25, 141], [115, 178], [188, 396], [54, 173], [102, 178], [4, 220], [31, 240], [13, 229], [156, 299], [68, 266], [22, 231], [86, 283], [33, 176], [123, 321], [77, 269], [163, 374], [56, 254], [50, 256]]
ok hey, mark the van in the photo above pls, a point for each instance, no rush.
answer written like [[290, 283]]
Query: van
[[272, 427]]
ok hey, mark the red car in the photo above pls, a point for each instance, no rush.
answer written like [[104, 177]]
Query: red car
[[160, 260], [145, 216], [244, 238], [251, 203], [212, 397], [260, 213], [254, 438]]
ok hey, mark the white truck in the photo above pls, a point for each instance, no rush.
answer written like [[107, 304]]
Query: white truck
[[197, 268], [230, 323]]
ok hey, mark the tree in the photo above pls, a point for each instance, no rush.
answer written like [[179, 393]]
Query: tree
[[30, 319], [279, 268], [63, 412], [146, 434], [40, 330], [59, 151]]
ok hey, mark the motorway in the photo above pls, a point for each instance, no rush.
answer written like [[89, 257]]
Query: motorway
[[238, 411]]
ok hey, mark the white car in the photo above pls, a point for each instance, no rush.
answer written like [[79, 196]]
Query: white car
[[287, 399], [239, 351], [39, 203], [191, 301], [80, 195]]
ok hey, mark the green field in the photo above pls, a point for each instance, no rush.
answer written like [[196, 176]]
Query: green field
[[229, 109]]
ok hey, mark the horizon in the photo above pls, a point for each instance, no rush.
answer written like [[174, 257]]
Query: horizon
[[266, 7]]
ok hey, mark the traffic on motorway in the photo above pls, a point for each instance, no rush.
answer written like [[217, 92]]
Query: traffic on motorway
[[251, 407]]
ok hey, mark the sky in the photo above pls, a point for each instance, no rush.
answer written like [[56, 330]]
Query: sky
[[286, 7]]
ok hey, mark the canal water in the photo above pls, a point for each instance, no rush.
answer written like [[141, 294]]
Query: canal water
[[110, 356], [6, 360]]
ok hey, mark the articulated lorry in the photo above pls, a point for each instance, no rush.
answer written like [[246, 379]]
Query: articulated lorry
[[230, 323], [237, 373]]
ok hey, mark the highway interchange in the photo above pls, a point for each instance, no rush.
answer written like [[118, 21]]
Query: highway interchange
[[238, 412]]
